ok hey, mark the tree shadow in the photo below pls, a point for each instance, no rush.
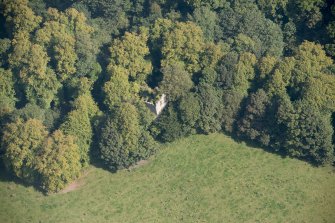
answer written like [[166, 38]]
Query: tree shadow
[[7, 177], [255, 145]]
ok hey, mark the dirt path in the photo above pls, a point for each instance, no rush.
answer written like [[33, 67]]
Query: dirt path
[[76, 184], [138, 164], [81, 180]]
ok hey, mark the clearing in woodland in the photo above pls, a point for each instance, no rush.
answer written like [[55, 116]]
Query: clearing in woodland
[[196, 179]]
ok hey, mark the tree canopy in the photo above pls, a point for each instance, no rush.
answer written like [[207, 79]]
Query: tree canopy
[[79, 80]]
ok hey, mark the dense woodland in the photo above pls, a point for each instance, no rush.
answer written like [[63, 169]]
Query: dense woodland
[[75, 74]]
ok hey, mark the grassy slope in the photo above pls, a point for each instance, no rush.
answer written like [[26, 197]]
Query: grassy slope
[[198, 179]]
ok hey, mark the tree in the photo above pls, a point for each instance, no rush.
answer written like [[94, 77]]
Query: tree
[[58, 161], [87, 48], [118, 89], [309, 134], [270, 7], [28, 62], [265, 66], [176, 81], [189, 112], [147, 146], [211, 109], [310, 11], [245, 72], [21, 142], [212, 55], [320, 92], [19, 16], [212, 3], [117, 9], [67, 36], [247, 19], [78, 123], [208, 21], [307, 67], [243, 43], [256, 121], [5, 45], [226, 70], [183, 43], [119, 137], [86, 104], [231, 104], [39, 81], [49, 117], [168, 125], [130, 53], [7, 92], [311, 59], [237, 73]]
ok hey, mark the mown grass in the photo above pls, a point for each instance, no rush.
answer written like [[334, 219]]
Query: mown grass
[[197, 179]]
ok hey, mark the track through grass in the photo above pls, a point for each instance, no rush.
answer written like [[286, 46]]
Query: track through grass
[[197, 179]]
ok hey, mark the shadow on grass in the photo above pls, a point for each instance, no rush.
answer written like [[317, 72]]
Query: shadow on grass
[[7, 177], [255, 145]]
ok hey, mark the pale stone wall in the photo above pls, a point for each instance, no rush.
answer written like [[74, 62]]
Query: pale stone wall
[[159, 106]]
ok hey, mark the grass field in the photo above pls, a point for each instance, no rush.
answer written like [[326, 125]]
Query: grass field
[[197, 179]]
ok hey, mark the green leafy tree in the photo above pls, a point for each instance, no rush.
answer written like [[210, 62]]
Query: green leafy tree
[[147, 146], [256, 123], [67, 35], [118, 89], [309, 134], [231, 104], [28, 62], [308, 67], [86, 104], [245, 72], [21, 142], [7, 92], [146, 116], [49, 117], [270, 7], [39, 81], [119, 137], [310, 60], [176, 81], [207, 19], [212, 3], [210, 109], [305, 13], [183, 43], [236, 77], [189, 112], [213, 54], [226, 70], [58, 162], [243, 43], [310, 11], [265, 67], [320, 92], [290, 37], [19, 16], [78, 123], [169, 127], [5, 45], [247, 19], [131, 53], [116, 11]]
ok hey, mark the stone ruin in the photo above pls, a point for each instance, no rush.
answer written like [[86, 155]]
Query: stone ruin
[[157, 107]]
